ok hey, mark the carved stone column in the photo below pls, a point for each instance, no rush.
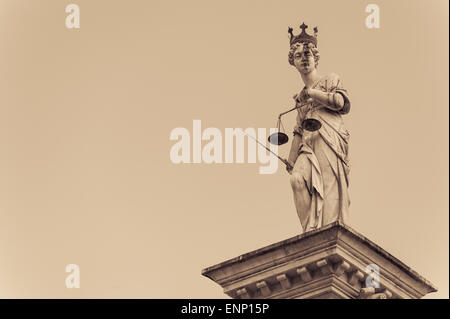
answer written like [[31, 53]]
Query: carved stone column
[[331, 262]]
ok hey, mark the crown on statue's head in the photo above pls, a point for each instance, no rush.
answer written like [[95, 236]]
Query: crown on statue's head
[[303, 36]]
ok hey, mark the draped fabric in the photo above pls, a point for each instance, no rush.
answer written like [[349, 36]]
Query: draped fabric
[[322, 165]]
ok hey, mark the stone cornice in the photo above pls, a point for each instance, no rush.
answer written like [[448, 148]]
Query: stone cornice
[[330, 262]]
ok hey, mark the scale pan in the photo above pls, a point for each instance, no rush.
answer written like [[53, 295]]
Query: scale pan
[[311, 124], [278, 138]]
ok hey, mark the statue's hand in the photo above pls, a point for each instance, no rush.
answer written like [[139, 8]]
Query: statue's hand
[[289, 167], [304, 95]]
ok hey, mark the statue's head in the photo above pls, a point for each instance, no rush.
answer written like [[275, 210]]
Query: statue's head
[[303, 53], [304, 56]]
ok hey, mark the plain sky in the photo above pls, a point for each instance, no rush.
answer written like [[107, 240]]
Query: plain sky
[[86, 115]]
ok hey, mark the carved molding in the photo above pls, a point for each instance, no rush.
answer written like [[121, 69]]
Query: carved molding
[[374, 293], [329, 263], [339, 273]]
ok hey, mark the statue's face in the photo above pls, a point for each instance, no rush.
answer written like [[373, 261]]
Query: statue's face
[[304, 60]]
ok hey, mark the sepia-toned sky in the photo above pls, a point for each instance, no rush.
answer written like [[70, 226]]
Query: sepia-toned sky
[[86, 115]]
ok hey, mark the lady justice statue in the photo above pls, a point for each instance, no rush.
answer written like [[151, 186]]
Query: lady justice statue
[[318, 159]]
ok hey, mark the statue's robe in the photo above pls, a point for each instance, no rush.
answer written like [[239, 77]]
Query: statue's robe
[[322, 162]]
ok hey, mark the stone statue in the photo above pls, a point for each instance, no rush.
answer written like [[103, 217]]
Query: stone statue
[[318, 159]]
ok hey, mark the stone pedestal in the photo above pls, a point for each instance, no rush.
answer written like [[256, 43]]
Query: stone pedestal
[[331, 262]]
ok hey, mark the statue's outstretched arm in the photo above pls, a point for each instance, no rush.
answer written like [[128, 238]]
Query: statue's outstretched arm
[[333, 101]]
